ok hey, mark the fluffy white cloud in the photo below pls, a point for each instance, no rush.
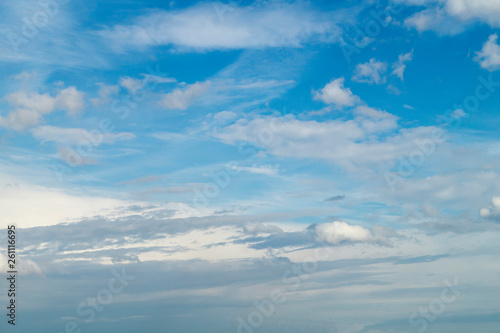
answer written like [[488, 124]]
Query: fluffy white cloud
[[450, 17], [29, 108], [489, 56], [20, 118], [435, 19], [335, 93], [484, 10], [220, 26], [493, 211], [69, 100], [400, 66], [338, 232], [182, 98], [371, 72]]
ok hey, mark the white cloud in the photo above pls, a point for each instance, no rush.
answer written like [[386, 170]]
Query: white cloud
[[489, 56], [30, 107], [493, 211], [25, 76], [70, 100], [106, 92], [450, 17], [371, 72], [225, 115], [484, 10], [78, 136], [335, 93], [458, 114], [203, 26], [369, 112], [20, 118], [260, 170], [131, 84], [338, 232], [371, 138], [183, 98], [400, 66], [435, 19]]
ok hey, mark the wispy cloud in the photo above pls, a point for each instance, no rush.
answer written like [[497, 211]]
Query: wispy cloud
[[202, 27]]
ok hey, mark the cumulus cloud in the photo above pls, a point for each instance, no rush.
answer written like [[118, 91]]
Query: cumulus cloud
[[29, 108], [371, 72], [182, 98], [493, 210], [489, 56], [335, 93], [212, 26], [69, 100], [19, 119], [338, 232]]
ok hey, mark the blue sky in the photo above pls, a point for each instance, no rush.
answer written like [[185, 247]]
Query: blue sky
[[213, 149]]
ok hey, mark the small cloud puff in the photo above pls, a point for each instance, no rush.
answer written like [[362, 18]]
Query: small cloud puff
[[493, 211], [338, 232], [335, 93]]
